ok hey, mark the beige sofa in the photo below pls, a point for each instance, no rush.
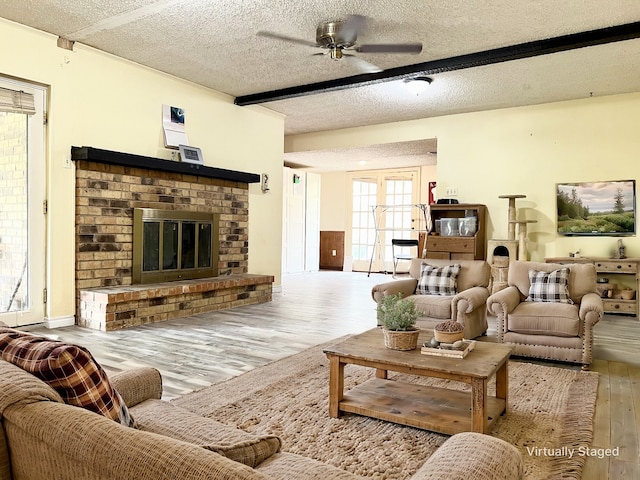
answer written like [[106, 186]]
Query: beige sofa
[[43, 438], [548, 330], [467, 306]]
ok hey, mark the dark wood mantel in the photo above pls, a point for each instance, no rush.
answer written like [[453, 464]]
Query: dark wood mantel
[[129, 160]]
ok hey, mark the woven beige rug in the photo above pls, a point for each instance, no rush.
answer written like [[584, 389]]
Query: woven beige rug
[[549, 408]]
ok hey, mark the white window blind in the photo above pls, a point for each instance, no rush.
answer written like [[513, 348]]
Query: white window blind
[[16, 101]]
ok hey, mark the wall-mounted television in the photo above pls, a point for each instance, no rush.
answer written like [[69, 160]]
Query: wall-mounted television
[[597, 208]]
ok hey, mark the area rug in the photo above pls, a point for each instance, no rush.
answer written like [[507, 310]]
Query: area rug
[[550, 411]]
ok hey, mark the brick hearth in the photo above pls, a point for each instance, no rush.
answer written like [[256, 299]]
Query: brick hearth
[[118, 307], [107, 191]]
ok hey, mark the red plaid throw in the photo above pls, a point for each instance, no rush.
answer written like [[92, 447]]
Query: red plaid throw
[[69, 369]]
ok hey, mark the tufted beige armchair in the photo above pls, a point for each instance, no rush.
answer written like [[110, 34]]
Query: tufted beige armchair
[[467, 306], [547, 330]]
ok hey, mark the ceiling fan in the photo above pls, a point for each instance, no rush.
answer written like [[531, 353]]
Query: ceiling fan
[[340, 35]]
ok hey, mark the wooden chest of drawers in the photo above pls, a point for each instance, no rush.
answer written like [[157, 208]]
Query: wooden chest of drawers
[[455, 248]]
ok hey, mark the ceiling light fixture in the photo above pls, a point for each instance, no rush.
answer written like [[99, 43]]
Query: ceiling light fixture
[[417, 85]]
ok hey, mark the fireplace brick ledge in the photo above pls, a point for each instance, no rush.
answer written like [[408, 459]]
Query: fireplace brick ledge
[[114, 308]]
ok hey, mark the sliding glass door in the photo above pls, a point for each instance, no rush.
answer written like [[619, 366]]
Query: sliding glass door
[[22, 214]]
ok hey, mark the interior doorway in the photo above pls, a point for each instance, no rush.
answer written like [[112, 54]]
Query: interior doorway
[[300, 221]]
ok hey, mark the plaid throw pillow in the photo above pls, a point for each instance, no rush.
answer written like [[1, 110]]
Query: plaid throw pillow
[[438, 281], [549, 286], [69, 369]]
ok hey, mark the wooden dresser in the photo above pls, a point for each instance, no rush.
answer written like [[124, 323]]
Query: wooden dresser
[[624, 272]]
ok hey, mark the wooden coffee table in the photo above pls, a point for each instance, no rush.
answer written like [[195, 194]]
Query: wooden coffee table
[[431, 408]]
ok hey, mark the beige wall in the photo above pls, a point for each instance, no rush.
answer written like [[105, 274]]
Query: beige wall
[[102, 101], [525, 151], [333, 198]]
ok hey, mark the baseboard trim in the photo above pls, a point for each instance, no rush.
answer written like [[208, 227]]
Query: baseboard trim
[[59, 322], [277, 289]]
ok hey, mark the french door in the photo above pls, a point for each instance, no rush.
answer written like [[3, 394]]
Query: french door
[[382, 209], [22, 195]]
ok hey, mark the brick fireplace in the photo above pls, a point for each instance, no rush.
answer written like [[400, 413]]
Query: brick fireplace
[[109, 186]]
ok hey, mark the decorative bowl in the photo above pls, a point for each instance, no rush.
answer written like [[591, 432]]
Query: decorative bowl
[[448, 337]]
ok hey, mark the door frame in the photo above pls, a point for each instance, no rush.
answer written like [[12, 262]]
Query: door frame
[[36, 262]]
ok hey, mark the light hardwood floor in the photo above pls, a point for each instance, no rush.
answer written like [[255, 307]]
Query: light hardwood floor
[[194, 352]]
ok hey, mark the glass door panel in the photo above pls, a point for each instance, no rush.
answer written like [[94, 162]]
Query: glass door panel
[[399, 221], [22, 220], [365, 196]]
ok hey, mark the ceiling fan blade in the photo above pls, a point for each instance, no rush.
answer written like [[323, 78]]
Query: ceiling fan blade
[[390, 48], [362, 65], [352, 26], [286, 38]]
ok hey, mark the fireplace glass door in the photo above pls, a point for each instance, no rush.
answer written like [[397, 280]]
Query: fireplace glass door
[[171, 245]]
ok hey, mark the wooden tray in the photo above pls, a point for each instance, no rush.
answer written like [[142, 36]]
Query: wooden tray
[[460, 352]]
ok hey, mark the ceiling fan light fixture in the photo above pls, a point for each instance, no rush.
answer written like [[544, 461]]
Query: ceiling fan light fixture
[[336, 53], [417, 85]]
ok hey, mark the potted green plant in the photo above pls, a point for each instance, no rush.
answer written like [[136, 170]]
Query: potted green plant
[[398, 318]]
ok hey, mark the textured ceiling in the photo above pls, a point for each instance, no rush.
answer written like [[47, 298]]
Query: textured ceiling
[[372, 157], [214, 43]]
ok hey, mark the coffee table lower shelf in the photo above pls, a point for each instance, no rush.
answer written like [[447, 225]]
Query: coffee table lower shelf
[[429, 408]]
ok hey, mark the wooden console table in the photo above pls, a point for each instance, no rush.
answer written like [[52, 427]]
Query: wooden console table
[[606, 267]]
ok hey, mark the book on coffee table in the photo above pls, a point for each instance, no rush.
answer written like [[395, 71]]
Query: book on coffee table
[[450, 351]]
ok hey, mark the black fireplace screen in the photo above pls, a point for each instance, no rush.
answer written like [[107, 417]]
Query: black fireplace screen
[[173, 245]]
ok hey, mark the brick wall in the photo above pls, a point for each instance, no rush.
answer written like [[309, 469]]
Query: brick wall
[[106, 196]]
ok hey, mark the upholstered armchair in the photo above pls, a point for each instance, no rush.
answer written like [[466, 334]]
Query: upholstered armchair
[[549, 313], [461, 296]]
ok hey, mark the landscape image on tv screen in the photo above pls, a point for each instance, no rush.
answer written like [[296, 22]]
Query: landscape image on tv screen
[[597, 208]]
